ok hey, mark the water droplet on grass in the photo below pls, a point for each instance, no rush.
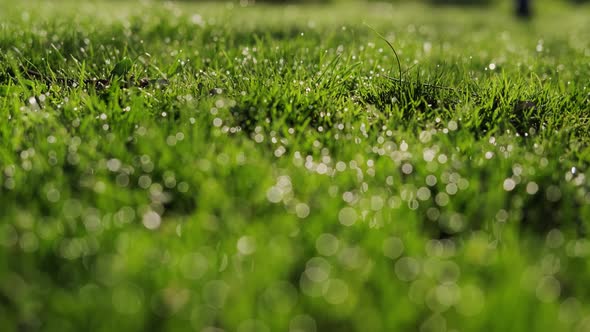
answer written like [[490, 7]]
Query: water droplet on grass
[[532, 188], [193, 266], [548, 289], [554, 238], [509, 184], [393, 247], [151, 220], [336, 291], [407, 268], [302, 210], [347, 216], [327, 244], [215, 293], [246, 245]]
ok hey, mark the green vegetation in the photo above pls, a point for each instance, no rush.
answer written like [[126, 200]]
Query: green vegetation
[[208, 167]]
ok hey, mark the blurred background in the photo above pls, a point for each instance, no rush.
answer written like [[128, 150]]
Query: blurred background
[[436, 2], [523, 8]]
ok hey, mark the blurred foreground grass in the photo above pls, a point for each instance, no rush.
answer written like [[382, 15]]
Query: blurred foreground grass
[[209, 167]]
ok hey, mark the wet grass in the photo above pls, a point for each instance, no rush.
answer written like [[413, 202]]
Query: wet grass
[[209, 167]]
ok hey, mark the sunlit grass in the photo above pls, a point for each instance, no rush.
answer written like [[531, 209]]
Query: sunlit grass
[[178, 166]]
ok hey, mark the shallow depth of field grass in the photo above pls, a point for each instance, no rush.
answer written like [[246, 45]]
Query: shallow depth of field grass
[[209, 167]]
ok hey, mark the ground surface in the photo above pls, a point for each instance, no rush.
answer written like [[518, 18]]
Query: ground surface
[[192, 167]]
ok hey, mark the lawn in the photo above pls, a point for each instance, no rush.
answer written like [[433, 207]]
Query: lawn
[[342, 167]]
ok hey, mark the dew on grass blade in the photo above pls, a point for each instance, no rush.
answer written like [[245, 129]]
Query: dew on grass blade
[[347, 216], [431, 180], [194, 265], [280, 297], [554, 239], [548, 289], [407, 168], [311, 288], [532, 188], [336, 291], [29, 242], [215, 293], [407, 268], [442, 199], [442, 297], [302, 210], [393, 247], [327, 244], [144, 181], [423, 193], [53, 195], [318, 269], [151, 220], [570, 310], [451, 189], [377, 203], [435, 323], [246, 245], [509, 184], [553, 193]]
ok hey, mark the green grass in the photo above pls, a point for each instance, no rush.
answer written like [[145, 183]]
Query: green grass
[[178, 166]]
